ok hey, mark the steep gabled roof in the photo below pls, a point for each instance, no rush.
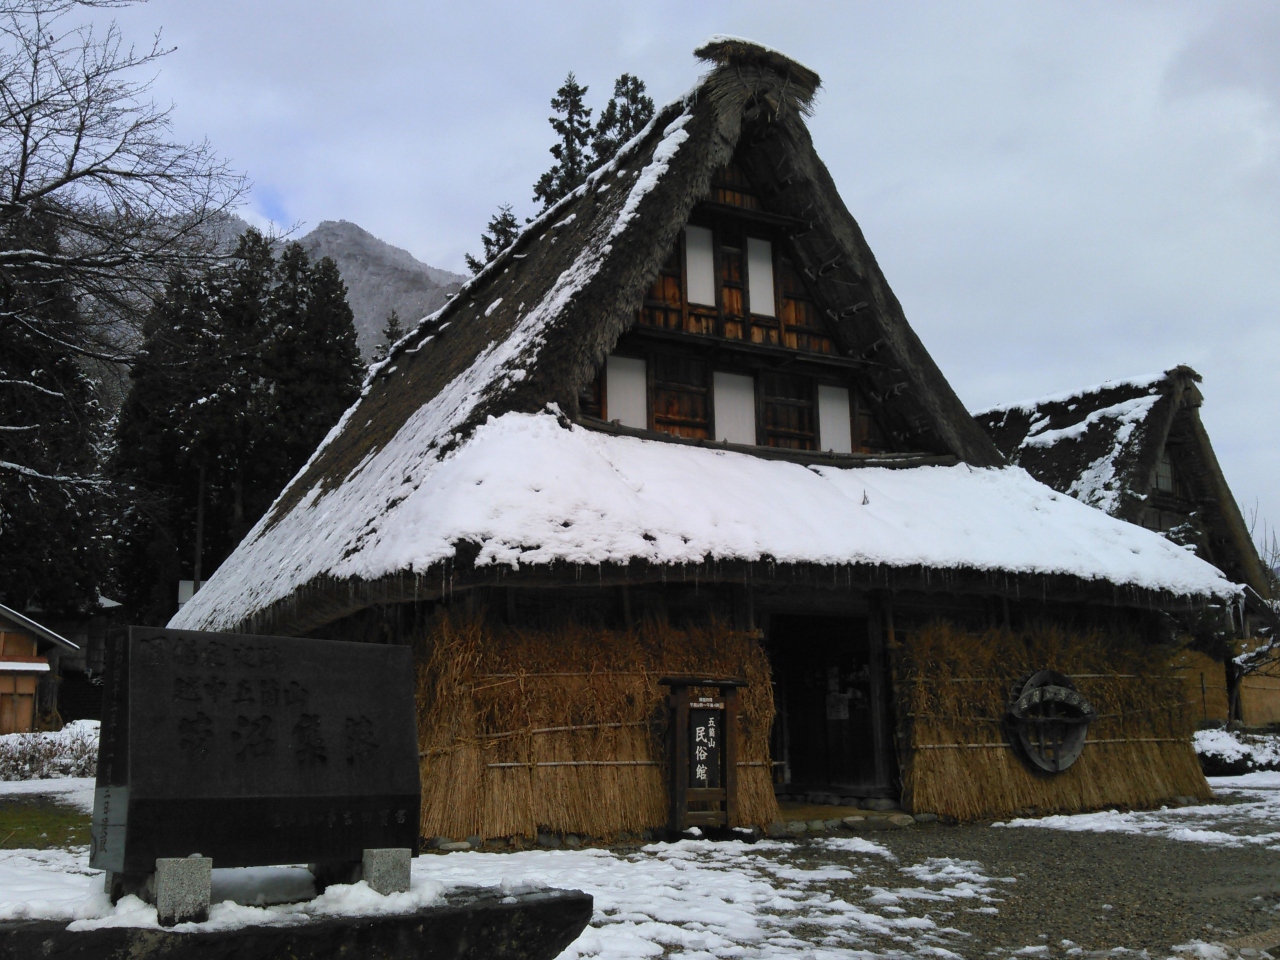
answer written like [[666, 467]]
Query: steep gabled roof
[[426, 465], [534, 326], [1101, 445]]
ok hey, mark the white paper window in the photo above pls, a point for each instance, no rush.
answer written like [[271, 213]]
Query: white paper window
[[735, 407], [833, 419], [700, 265], [626, 392], [760, 276]]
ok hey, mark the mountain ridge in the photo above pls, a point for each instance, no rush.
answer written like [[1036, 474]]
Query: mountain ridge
[[380, 277]]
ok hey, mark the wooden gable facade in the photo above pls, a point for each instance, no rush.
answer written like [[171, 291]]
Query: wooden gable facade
[[733, 344]]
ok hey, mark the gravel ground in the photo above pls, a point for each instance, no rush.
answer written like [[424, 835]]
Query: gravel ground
[[1094, 891], [1099, 884]]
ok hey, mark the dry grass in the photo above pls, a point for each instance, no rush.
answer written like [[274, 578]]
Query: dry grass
[[953, 688], [489, 694]]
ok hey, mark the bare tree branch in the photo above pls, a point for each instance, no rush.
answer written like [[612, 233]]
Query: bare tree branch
[[99, 206]]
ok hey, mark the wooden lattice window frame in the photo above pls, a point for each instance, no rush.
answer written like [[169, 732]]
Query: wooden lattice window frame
[[786, 410], [679, 393]]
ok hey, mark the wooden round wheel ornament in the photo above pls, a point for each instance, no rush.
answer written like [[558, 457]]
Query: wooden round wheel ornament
[[1048, 720]]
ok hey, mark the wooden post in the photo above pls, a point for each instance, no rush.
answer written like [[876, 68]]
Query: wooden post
[[730, 780], [679, 733]]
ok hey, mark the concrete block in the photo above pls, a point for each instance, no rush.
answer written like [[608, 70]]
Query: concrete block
[[386, 869], [182, 889]]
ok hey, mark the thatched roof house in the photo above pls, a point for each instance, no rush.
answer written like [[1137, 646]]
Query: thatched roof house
[[685, 401], [1138, 450]]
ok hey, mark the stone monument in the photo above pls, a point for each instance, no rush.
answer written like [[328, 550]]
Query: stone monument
[[234, 750]]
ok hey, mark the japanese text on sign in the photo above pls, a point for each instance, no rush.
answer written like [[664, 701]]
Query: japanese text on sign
[[705, 725]]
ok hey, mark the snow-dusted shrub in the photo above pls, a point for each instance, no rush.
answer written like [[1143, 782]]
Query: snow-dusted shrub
[[69, 752], [1225, 753]]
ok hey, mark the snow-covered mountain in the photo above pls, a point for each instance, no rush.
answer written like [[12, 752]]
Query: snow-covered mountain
[[379, 278]]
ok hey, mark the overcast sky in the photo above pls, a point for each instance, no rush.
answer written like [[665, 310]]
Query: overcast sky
[[1059, 193]]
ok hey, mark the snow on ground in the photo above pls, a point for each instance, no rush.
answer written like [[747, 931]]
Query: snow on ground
[[1251, 816], [694, 899], [1231, 749], [961, 880], [825, 899], [76, 791]]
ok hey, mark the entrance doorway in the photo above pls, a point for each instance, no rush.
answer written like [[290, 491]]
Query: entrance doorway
[[832, 731]]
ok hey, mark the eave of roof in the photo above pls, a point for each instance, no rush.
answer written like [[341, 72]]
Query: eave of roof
[[531, 490], [41, 631]]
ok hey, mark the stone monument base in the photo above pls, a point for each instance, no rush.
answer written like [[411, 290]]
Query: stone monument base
[[471, 925]]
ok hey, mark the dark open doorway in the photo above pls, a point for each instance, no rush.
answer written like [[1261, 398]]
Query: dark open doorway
[[831, 732]]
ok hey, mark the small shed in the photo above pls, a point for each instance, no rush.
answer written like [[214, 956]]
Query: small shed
[[24, 670]]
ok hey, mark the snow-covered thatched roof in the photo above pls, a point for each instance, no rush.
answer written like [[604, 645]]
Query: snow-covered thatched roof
[[1101, 446], [465, 452]]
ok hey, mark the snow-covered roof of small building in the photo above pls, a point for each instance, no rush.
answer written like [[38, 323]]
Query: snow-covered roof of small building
[[1101, 445], [437, 459]]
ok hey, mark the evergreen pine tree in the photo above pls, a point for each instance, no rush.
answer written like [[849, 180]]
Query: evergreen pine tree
[[52, 493], [160, 446], [500, 234], [242, 373], [572, 124], [313, 361], [392, 331], [625, 115]]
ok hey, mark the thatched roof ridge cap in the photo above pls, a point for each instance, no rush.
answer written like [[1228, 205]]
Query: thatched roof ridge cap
[[727, 49]]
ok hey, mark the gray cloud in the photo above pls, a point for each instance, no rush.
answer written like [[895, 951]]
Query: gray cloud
[[1060, 193]]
